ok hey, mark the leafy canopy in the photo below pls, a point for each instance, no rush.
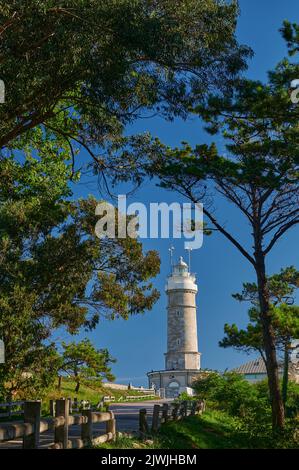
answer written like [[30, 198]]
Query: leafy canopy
[[54, 271], [86, 68], [284, 315], [83, 360]]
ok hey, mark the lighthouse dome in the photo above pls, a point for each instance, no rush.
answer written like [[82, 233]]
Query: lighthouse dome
[[181, 278], [181, 268], [182, 263]]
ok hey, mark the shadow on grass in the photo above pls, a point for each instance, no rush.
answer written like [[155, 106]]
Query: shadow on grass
[[211, 431]]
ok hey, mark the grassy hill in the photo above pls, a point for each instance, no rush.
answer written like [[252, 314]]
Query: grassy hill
[[212, 430], [91, 390]]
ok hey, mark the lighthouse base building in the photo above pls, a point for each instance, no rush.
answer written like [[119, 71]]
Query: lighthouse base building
[[170, 384], [182, 359]]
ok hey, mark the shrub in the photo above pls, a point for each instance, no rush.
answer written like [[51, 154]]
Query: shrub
[[229, 392], [250, 404]]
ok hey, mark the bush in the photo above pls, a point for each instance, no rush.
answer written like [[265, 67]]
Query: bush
[[292, 406], [250, 404], [185, 397], [229, 392]]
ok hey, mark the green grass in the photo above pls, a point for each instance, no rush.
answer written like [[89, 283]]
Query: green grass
[[213, 430], [93, 391], [125, 441], [86, 392]]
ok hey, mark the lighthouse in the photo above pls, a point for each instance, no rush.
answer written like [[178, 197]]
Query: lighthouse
[[182, 345], [182, 359]]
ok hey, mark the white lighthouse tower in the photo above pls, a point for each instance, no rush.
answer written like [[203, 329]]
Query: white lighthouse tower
[[182, 359], [182, 346]]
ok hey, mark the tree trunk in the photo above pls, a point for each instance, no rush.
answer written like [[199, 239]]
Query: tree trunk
[[59, 382], [285, 380], [77, 386], [77, 379], [269, 344]]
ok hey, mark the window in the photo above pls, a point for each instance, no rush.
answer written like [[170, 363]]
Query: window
[[173, 385]]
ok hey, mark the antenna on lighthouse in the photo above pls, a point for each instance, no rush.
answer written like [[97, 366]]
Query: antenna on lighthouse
[[171, 250], [189, 249]]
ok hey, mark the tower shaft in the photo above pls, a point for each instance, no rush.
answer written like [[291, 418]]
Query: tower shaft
[[182, 346], [182, 359]]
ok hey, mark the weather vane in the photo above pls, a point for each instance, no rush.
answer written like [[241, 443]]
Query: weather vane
[[189, 249], [171, 250]]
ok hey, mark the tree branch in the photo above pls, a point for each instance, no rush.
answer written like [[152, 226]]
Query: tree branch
[[229, 237], [279, 234]]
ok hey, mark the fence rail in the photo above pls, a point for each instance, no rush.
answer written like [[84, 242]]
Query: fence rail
[[33, 426], [137, 397], [16, 408], [168, 412]]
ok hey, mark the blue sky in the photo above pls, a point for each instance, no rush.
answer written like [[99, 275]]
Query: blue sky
[[139, 343]]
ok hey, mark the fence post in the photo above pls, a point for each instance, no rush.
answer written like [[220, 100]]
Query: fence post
[[155, 421], [70, 405], [143, 426], [75, 405], [193, 408], [200, 407], [87, 428], [165, 408], [111, 426], [52, 408], [175, 411], [32, 411], [61, 430]]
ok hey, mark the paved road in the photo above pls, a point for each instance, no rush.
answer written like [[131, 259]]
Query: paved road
[[127, 419]]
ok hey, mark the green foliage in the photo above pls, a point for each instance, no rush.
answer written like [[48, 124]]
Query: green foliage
[[238, 416], [184, 396], [92, 390], [250, 406], [86, 69], [292, 405], [290, 32], [215, 429], [82, 360], [284, 319], [54, 271], [230, 392], [118, 59], [49, 248], [282, 287], [257, 175]]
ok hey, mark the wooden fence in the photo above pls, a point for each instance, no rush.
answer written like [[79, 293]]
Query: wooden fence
[[137, 397], [168, 412], [33, 426], [16, 408]]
